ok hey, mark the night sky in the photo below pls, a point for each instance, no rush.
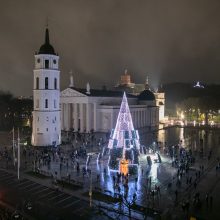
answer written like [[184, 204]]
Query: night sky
[[97, 39]]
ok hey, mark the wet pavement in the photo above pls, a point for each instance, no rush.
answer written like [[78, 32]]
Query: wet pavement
[[161, 174], [47, 203]]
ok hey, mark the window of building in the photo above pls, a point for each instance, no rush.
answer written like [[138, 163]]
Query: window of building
[[47, 118], [46, 64], [37, 83], [55, 118], [37, 103], [38, 60], [46, 82], [47, 129], [55, 83], [55, 128], [54, 61], [55, 104], [37, 118], [46, 103], [37, 129]]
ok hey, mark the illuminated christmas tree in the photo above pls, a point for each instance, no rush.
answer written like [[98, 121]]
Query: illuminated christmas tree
[[124, 142]]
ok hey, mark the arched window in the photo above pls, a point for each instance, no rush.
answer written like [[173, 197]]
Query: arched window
[[54, 103], [55, 83], [46, 82], [37, 83], [46, 103]]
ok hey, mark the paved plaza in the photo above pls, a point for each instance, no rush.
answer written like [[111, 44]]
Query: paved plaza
[[163, 187]]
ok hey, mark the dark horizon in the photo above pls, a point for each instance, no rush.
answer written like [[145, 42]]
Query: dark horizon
[[98, 40]]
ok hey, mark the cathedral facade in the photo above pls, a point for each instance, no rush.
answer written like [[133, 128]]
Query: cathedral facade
[[86, 110]]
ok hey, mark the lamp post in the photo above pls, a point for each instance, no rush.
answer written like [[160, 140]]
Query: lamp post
[[13, 144], [90, 191], [18, 156]]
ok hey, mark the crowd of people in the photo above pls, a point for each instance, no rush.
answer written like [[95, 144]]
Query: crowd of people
[[74, 159]]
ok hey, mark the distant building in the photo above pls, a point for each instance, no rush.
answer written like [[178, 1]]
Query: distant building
[[46, 96], [127, 85], [86, 110], [198, 85]]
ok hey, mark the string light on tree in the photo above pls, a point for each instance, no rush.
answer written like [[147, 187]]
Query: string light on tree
[[124, 142]]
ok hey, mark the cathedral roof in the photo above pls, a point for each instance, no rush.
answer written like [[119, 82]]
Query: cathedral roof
[[146, 95], [103, 93], [47, 48]]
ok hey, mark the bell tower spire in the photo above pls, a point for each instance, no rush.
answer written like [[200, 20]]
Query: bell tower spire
[[47, 39], [47, 48]]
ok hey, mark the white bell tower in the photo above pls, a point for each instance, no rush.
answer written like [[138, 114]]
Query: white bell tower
[[46, 129]]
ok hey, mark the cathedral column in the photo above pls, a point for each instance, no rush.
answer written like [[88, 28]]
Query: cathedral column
[[75, 117], [68, 116], [72, 115], [65, 116], [144, 117], [111, 121], [81, 117], [140, 118], [61, 117], [94, 115], [136, 118], [88, 118]]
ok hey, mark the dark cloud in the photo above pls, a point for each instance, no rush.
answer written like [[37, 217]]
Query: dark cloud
[[170, 40]]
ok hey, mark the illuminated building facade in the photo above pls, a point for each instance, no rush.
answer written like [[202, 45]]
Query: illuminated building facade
[[86, 110]]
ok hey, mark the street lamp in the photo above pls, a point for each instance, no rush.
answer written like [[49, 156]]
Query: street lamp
[[90, 191], [13, 144], [18, 156]]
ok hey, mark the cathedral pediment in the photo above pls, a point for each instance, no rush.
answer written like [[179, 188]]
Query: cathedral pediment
[[71, 93]]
